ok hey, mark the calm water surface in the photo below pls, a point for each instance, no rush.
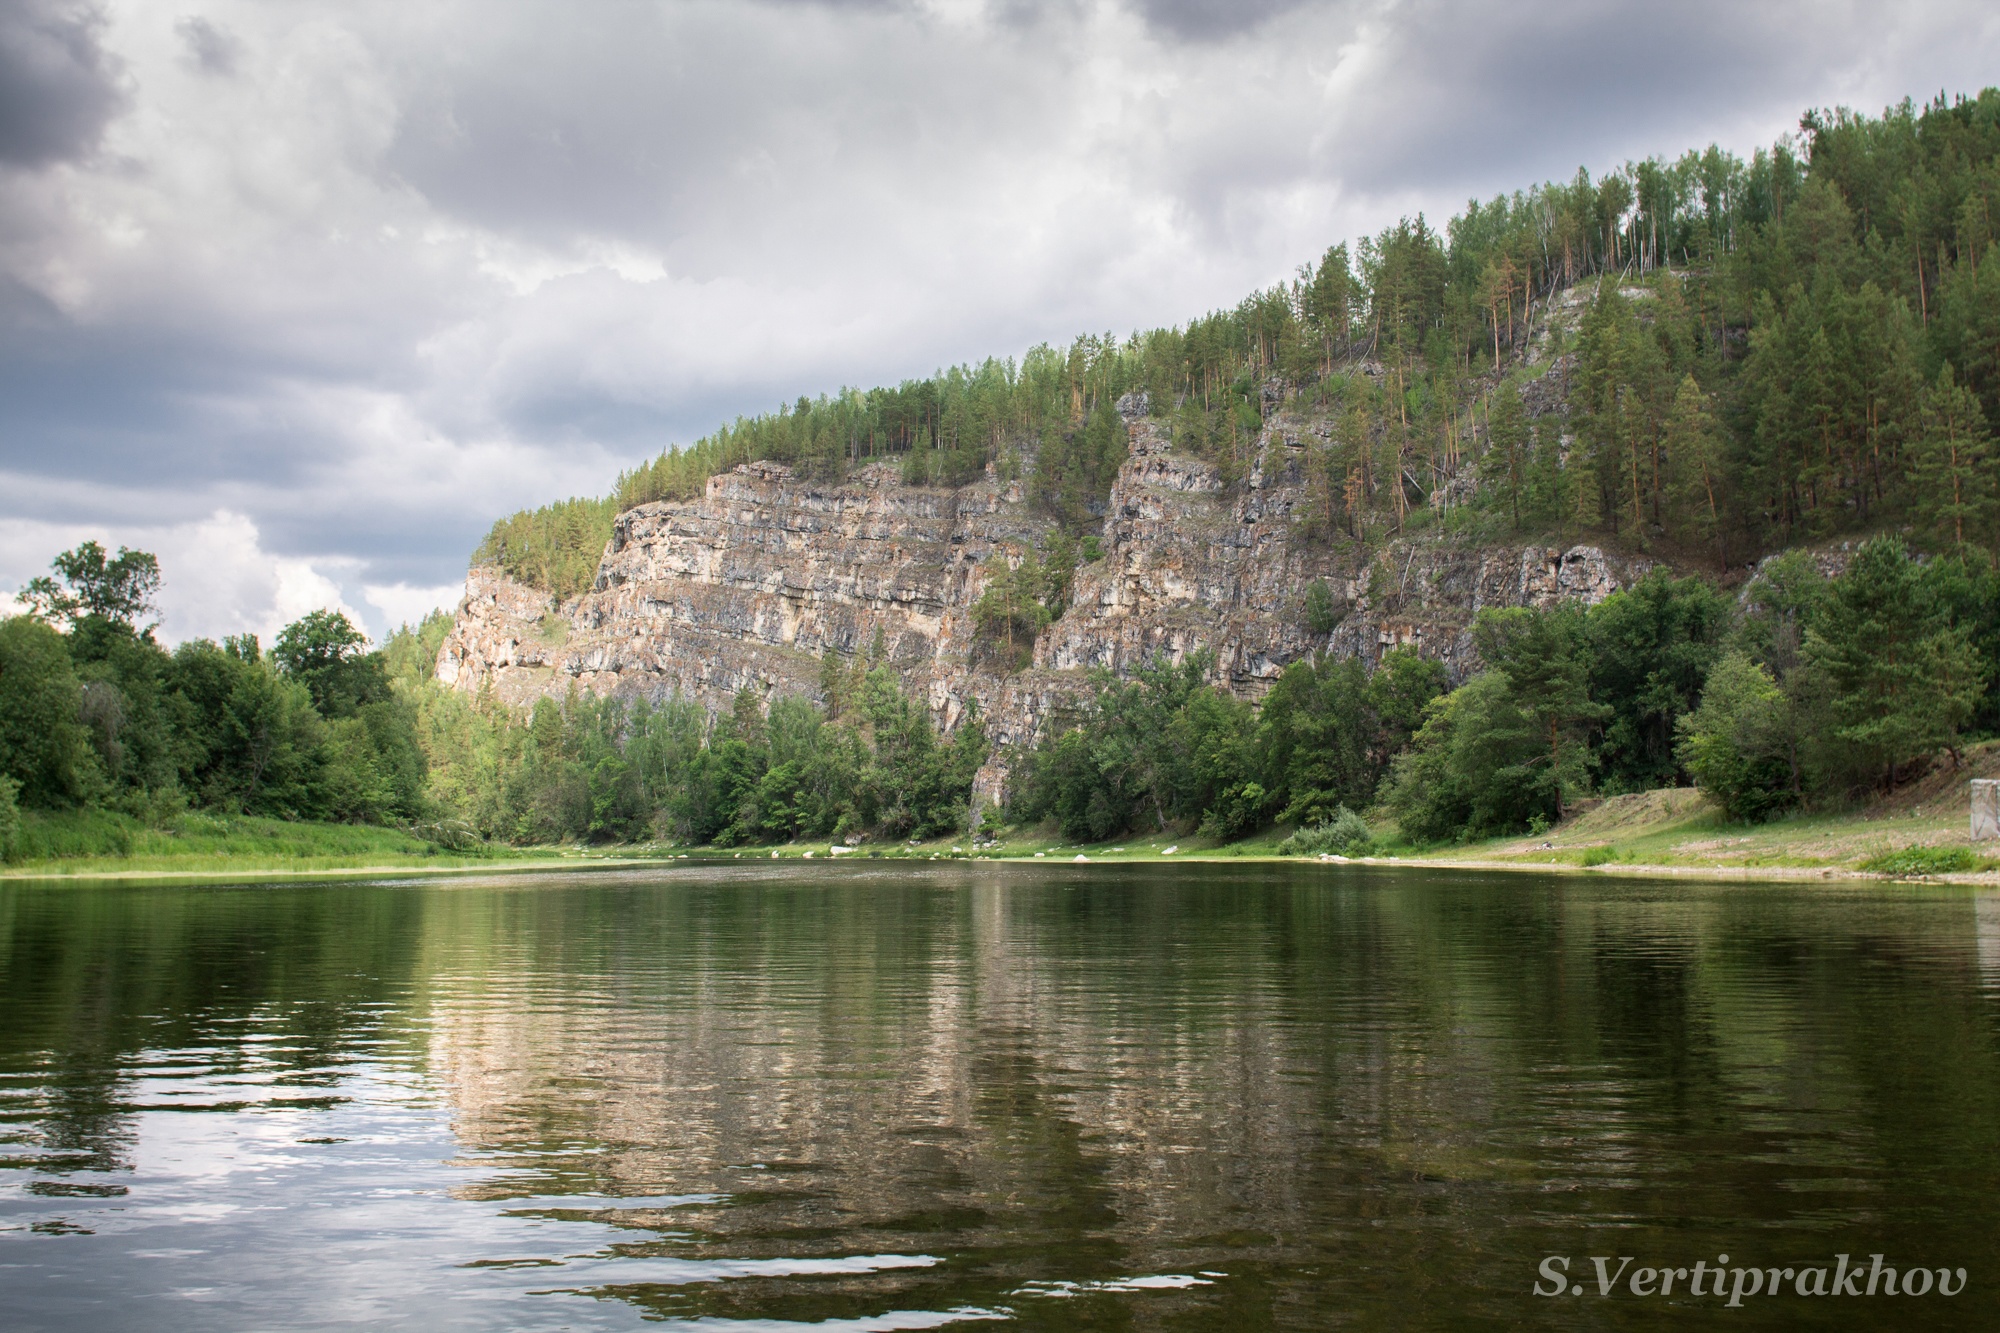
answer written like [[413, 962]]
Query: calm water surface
[[1065, 1098]]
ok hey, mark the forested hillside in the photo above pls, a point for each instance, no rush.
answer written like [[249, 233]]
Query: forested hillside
[[1775, 351]]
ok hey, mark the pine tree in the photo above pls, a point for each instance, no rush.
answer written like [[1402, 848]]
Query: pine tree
[[1903, 678], [1952, 470], [1545, 659], [1507, 427], [1695, 452]]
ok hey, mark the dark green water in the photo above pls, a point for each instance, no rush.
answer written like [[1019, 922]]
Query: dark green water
[[1080, 1097]]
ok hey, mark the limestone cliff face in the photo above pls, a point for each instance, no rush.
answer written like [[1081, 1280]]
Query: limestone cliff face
[[753, 582]]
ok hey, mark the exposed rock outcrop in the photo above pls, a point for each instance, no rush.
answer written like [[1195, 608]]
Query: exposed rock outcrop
[[751, 584]]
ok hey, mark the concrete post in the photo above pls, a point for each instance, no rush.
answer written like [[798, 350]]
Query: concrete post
[[1985, 810]]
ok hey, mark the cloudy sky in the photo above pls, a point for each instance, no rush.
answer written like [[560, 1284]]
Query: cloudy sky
[[302, 296]]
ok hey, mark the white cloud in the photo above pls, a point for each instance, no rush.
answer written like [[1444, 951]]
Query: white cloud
[[217, 578], [401, 604]]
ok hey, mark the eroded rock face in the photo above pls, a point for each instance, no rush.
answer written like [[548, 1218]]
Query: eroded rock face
[[1188, 567], [751, 584]]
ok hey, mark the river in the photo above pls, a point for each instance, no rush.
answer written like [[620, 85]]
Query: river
[[864, 1096]]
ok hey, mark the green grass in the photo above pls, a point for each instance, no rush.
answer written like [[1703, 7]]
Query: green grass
[[100, 843], [97, 841], [1924, 861]]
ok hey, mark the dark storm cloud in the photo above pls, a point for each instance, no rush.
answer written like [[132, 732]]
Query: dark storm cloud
[[57, 88]]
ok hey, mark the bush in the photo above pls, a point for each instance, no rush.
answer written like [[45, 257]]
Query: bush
[[1346, 834], [1737, 744], [1923, 861]]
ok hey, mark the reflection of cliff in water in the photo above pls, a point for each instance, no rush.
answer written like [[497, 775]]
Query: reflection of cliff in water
[[884, 1062], [1150, 1073]]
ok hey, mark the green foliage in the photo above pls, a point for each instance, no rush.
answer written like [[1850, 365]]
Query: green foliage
[[252, 741], [103, 718], [1839, 686], [87, 583], [1322, 614], [1953, 469], [1964, 592], [1902, 677], [1651, 647], [1074, 469], [1345, 834], [323, 652], [1161, 747], [1166, 747], [1543, 661], [1480, 764], [409, 655], [555, 548], [10, 815], [1924, 861], [1821, 690], [1014, 605], [195, 839], [1741, 745], [1785, 597], [1509, 455], [609, 770], [1328, 730], [43, 745], [129, 713]]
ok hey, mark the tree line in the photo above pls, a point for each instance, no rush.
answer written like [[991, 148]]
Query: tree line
[[97, 716], [865, 759]]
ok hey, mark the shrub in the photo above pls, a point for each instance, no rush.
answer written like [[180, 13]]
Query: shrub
[[1736, 745], [1923, 861], [1346, 834]]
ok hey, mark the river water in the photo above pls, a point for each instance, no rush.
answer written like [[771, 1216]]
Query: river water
[[858, 1097]]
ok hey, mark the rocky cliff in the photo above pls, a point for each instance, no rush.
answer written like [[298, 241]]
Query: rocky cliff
[[755, 581]]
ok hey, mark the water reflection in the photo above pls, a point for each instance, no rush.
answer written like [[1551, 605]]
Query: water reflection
[[1078, 1097]]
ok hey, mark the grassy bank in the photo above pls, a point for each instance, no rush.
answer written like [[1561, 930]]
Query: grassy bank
[[105, 843], [1922, 830]]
